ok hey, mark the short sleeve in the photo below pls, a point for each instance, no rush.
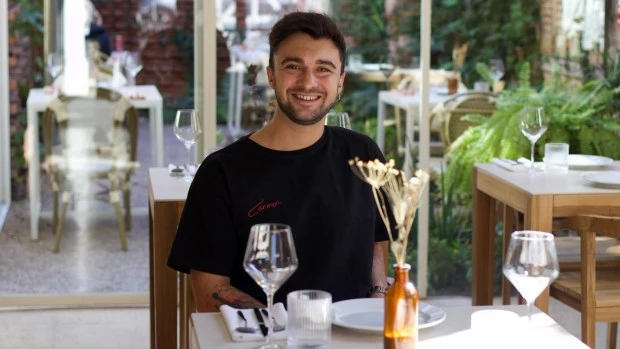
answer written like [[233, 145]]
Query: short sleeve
[[206, 238]]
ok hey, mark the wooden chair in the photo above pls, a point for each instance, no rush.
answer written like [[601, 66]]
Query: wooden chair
[[590, 286], [90, 139], [447, 115]]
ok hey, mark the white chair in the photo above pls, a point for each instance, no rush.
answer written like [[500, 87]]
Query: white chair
[[86, 140]]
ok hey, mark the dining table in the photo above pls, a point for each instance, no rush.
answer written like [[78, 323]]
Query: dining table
[[539, 198], [459, 330], [141, 97]]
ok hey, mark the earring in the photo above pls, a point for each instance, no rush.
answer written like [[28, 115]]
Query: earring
[[339, 96]]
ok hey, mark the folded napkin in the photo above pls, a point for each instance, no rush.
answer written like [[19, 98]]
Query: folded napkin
[[521, 165], [233, 321]]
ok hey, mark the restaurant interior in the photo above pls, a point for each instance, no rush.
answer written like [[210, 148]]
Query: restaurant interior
[[512, 108]]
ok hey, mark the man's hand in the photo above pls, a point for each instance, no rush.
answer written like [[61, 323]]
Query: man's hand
[[212, 291]]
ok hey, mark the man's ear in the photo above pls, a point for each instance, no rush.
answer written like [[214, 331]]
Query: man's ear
[[270, 77], [341, 81]]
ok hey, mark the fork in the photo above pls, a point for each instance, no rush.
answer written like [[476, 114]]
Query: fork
[[276, 326], [245, 328]]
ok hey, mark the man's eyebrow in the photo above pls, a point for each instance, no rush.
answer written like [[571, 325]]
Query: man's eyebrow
[[291, 59], [299, 60], [327, 62]]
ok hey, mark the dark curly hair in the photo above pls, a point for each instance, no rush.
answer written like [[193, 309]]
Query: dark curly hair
[[317, 25]]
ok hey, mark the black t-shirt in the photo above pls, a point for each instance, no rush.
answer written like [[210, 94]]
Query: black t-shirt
[[332, 213]]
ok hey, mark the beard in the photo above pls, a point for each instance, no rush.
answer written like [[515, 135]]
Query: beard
[[317, 116]]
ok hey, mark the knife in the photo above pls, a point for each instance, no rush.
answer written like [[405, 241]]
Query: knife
[[261, 322]]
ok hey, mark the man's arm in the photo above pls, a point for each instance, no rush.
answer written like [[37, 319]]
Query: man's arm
[[378, 276], [211, 291]]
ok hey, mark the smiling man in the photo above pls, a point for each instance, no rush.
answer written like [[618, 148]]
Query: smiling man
[[293, 171]]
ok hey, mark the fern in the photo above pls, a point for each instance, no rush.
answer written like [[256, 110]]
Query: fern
[[583, 117]]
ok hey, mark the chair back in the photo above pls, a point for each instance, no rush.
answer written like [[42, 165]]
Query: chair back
[[104, 125], [459, 105]]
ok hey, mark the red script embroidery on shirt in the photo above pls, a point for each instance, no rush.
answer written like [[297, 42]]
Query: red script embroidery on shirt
[[262, 206]]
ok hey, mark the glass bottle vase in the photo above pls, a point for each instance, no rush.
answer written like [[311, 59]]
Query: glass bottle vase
[[400, 329]]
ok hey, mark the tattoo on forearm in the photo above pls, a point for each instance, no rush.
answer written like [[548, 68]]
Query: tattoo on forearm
[[231, 296]]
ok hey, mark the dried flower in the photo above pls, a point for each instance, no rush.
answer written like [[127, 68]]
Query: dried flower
[[403, 197]]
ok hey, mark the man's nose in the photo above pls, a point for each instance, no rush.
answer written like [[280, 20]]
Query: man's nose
[[308, 79]]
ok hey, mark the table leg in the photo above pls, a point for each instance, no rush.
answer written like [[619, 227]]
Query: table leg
[[34, 172], [380, 125], [509, 227], [187, 306], [539, 217], [483, 241], [151, 280], [165, 279]]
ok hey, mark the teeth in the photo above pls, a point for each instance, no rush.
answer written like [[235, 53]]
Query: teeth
[[307, 98]]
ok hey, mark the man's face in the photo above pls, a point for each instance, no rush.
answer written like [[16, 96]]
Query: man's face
[[306, 77]]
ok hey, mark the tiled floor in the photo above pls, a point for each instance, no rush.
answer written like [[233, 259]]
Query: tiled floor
[[90, 259]]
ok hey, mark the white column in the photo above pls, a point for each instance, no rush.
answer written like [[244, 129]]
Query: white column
[[5, 158], [205, 60], [75, 66], [425, 134]]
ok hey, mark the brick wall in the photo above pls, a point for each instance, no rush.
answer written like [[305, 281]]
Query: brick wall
[[20, 69], [20, 77], [165, 65]]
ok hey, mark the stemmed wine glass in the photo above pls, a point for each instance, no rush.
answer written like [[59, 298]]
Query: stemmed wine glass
[[187, 129], [531, 264], [533, 124], [133, 65], [340, 119], [388, 69], [497, 69], [54, 64], [270, 259]]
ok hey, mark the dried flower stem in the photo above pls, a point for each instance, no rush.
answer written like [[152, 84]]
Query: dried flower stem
[[403, 197]]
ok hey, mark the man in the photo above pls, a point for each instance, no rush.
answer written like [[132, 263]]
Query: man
[[292, 171]]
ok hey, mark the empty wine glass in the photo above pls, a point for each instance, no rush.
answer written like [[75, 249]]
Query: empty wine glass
[[531, 264], [270, 259], [340, 119], [497, 69], [533, 124], [187, 129], [133, 65], [54, 64], [387, 68]]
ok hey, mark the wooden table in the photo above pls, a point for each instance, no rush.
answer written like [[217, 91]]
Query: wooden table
[[540, 198], [208, 330], [166, 201], [38, 100]]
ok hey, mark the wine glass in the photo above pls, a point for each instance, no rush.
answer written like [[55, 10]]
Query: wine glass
[[54, 64], [340, 119], [531, 264], [270, 259], [388, 69], [133, 65], [497, 69], [533, 124], [187, 129]]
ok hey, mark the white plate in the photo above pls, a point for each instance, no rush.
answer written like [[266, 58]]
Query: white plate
[[586, 162], [366, 314], [607, 179]]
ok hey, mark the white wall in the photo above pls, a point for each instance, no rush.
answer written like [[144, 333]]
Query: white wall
[[5, 160]]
